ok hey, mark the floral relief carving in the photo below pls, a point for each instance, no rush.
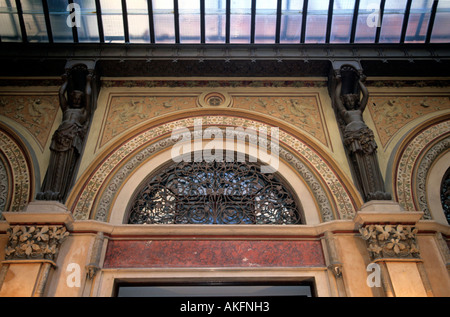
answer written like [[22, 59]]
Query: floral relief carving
[[391, 113], [125, 112], [35, 112], [34, 242], [391, 241], [302, 111]]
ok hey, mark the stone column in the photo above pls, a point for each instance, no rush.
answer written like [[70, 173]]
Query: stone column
[[34, 240], [390, 235]]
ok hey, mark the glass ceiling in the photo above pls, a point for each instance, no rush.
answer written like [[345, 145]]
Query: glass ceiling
[[225, 21]]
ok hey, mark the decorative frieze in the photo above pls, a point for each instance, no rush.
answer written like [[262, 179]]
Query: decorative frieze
[[34, 242], [391, 241]]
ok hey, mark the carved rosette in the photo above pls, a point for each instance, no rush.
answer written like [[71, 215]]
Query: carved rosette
[[34, 242], [391, 241]]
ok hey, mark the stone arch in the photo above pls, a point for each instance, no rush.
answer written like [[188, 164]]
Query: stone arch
[[94, 194], [16, 172], [423, 153]]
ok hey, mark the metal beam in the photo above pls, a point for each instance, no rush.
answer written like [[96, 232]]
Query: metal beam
[[329, 21], [74, 28], [202, 21], [176, 17], [98, 11], [253, 22], [380, 21], [126, 31], [354, 22], [206, 52], [47, 21], [23, 30], [278, 22], [431, 23], [151, 26], [227, 21], [304, 20], [405, 21]]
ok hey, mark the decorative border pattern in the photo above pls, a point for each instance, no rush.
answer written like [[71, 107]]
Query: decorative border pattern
[[105, 202], [422, 172], [20, 171], [4, 187], [91, 191], [410, 161]]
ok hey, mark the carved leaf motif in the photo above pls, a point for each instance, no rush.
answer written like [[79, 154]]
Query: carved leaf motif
[[368, 232], [374, 248], [26, 233], [384, 232], [395, 245], [42, 235], [29, 246], [399, 233], [414, 249], [411, 232]]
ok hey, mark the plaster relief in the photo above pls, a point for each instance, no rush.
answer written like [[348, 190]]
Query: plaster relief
[[391, 113], [36, 113]]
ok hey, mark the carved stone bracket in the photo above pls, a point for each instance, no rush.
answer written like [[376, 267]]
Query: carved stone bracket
[[391, 241], [34, 242]]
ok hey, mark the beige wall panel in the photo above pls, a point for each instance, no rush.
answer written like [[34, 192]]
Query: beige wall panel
[[406, 279], [434, 266], [20, 280], [72, 258], [355, 259]]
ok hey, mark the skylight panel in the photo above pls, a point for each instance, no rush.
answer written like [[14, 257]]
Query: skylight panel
[[391, 27], [316, 25], [441, 28], [215, 21], [112, 21], [163, 20], [9, 22], [240, 21], [342, 21], [33, 17], [291, 21]]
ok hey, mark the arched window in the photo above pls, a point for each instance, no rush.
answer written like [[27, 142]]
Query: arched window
[[445, 194], [214, 193]]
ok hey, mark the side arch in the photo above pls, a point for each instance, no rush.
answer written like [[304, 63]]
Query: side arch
[[422, 151], [17, 172], [96, 191]]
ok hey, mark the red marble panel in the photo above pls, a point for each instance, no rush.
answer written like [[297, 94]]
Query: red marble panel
[[213, 253]]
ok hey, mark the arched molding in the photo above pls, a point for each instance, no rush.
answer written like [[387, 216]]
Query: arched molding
[[98, 186], [432, 202], [126, 192], [18, 169], [417, 156]]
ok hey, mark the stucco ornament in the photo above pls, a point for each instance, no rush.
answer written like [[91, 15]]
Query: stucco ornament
[[391, 241], [34, 242]]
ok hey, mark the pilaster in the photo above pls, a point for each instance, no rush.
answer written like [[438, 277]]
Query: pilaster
[[34, 239], [391, 238]]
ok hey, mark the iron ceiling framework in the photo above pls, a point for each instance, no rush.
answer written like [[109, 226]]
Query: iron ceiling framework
[[268, 21], [279, 39]]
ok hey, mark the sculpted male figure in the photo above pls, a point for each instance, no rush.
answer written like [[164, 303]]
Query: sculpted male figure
[[67, 141]]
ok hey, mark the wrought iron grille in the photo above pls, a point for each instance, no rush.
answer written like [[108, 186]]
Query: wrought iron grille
[[214, 193], [445, 195]]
